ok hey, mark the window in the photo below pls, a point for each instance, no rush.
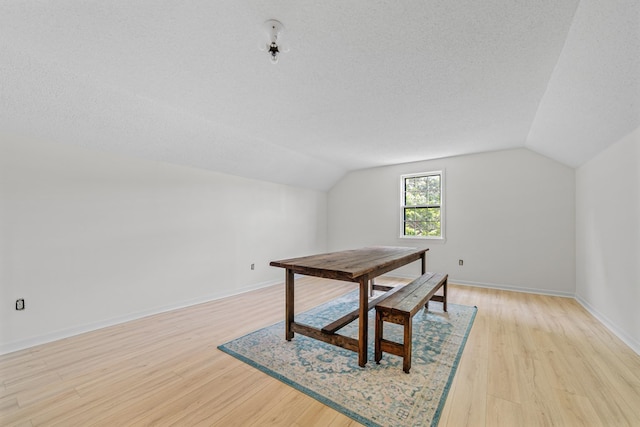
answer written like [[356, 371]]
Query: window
[[422, 205]]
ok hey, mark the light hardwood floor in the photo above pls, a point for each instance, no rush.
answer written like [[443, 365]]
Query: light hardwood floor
[[529, 360]]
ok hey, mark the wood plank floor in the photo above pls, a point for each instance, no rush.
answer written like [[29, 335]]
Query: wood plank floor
[[530, 360]]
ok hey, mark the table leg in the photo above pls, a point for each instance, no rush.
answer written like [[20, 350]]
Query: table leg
[[424, 262], [363, 320], [289, 309]]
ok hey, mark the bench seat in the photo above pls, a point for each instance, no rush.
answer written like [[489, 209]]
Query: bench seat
[[400, 307]]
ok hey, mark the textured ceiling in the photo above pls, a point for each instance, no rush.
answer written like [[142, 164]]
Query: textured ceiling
[[365, 83]]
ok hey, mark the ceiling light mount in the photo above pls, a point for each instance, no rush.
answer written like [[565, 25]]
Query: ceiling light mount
[[274, 46]]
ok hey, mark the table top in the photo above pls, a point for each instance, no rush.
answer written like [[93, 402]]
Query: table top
[[352, 265]]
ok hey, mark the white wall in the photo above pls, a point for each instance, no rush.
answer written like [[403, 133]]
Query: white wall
[[608, 237], [90, 239], [510, 215]]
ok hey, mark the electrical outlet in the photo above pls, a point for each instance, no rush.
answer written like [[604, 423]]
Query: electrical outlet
[[460, 262], [20, 304], [253, 266]]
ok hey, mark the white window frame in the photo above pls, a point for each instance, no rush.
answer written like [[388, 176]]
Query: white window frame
[[442, 205]]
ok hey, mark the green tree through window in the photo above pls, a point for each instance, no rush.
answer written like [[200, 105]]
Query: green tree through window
[[422, 205]]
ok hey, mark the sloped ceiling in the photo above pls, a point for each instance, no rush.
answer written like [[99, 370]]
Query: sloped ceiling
[[364, 84]]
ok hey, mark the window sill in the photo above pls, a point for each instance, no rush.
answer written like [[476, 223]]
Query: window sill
[[440, 238]]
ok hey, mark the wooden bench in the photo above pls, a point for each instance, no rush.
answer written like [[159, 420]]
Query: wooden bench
[[400, 307]]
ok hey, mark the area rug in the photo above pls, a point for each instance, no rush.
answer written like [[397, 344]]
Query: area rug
[[378, 394]]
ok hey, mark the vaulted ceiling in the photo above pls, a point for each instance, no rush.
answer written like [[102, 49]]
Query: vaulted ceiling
[[364, 83]]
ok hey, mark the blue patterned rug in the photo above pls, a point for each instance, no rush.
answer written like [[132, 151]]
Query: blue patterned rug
[[377, 395]]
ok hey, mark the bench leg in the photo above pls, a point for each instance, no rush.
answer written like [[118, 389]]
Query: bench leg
[[378, 338], [406, 358], [403, 349], [442, 298]]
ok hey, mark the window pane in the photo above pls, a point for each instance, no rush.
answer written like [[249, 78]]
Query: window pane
[[422, 190], [433, 190], [422, 222]]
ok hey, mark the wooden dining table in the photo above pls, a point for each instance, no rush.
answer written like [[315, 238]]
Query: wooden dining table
[[356, 265]]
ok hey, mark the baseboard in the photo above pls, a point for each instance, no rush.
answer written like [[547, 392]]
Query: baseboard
[[615, 329], [513, 288], [453, 280], [11, 347]]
